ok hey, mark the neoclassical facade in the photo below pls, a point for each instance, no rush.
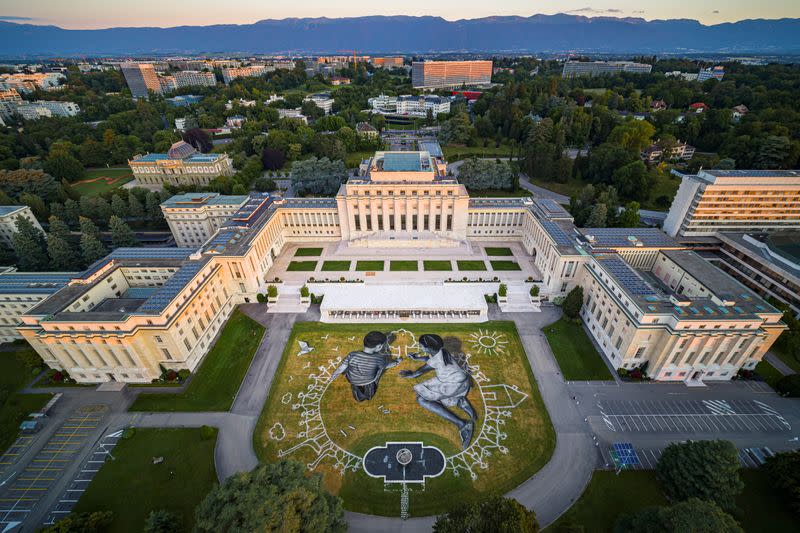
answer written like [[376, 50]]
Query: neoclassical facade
[[181, 165], [647, 299]]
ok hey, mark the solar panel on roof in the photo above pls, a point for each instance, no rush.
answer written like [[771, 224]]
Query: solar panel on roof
[[626, 276], [554, 230], [165, 294]]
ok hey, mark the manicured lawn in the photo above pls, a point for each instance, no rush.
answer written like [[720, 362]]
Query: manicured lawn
[[335, 266], [498, 251], [14, 376], [353, 159], [363, 266], [471, 265], [454, 153], [505, 265], [131, 485], [762, 507], [308, 252], [768, 372], [403, 266], [576, 356], [215, 384], [437, 265], [100, 180], [793, 361], [609, 496], [394, 415], [301, 266]]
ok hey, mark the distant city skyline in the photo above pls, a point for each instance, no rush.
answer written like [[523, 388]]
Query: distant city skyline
[[105, 14]]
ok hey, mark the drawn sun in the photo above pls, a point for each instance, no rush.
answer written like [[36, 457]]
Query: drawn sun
[[488, 342]]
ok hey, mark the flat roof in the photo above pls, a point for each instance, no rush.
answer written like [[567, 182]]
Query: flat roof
[[402, 162], [34, 282], [10, 209], [194, 158], [200, 199], [628, 238], [403, 297]]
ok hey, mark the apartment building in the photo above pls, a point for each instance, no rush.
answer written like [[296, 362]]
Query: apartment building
[[230, 74], [181, 165], [387, 62], [716, 73], [322, 100], [713, 201], [195, 78], [20, 291], [656, 152], [28, 82], [141, 79], [8, 220], [574, 69], [450, 74], [194, 217]]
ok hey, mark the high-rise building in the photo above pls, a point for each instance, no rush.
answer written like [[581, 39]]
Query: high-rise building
[[195, 78], [387, 62], [574, 69], [714, 201], [141, 79], [444, 74], [230, 74]]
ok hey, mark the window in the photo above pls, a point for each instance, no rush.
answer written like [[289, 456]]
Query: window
[[166, 354], [640, 351], [158, 339]]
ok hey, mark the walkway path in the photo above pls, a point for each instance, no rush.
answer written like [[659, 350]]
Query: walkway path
[[779, 365]]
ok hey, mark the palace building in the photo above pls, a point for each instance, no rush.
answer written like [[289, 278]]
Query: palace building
[[648, 300], [181, 165]]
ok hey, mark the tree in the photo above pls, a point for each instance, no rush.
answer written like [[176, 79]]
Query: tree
[[199, 139], [328, 146], [480, 174], [36, 204], [573, 302], [633, 135], [30, 246], [96, 522], [691, 515], [88, 227], [91, 248], [310, 109], [135, 209], [598, 217], [631, 180], [784, 472], [63, 166], [701, 469], [121, 234], [72, 211], [272, 158], [63, 256], [7, 255], [152, 206], [318, 176], [630, 216], [457, 130], [118, 206], [273, 496], [497, 514], [773, 152], [264, 184], [162, 521]]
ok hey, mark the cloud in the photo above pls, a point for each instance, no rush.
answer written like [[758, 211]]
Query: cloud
[[12, 17], [639, 12], [716, 11], [593, 11]]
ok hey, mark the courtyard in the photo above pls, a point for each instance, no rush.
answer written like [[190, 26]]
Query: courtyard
[[311, 419]]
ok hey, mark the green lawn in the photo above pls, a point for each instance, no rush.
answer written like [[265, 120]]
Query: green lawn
[[768, 372], [498, 251], [14, 376], [607, 497], [403, 266], [793, 361], [353, 159], [471, 265], [131, 485], [363, 266], [762, 507], [505, 265], [308, 252], [576, 356], [99, 180], [437, 265], [335, 266], [302, 266], [453, 153], [215, 384]]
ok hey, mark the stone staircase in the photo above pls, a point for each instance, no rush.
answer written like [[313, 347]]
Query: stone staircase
[[519, 300], [288, 300]]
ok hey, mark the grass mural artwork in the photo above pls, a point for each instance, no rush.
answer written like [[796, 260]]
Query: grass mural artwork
[[313, 419]]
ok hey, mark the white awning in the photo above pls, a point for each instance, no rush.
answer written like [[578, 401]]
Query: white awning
[[417, 297]]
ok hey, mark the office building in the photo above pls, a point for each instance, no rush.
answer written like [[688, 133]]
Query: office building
[[573, 69], [387, 62], [450, 74], [28, 82], [230, 74], [181, 165], [322, 100], [141, 79], [194, 217], [20, 291], [716, 73], [8, 221], [195, 78], [418, 106], [714, 201]]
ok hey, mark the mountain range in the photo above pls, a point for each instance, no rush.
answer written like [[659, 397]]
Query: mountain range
[[405, 34]]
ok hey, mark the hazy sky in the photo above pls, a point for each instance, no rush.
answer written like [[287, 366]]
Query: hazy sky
[[107, 13]]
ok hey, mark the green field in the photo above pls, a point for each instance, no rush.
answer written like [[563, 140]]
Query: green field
[[768, 372], [99, 180], [308, 252], [791, 360], [762, 507], [576, 356], [131, 485], [353, 159], [498, 251], [215, 384], [15, 376], [505, 265], [363, 266], [437, 265], [335, 266], [302, 266], [393, 414], [453, 153], [403, 266], [471, 265]]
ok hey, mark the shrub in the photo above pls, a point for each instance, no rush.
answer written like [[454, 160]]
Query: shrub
[[30, 359], [128, 432], [317, 299], [58, 377], [535, 290], [490, 298], [207, 432], [272, 291], [261, 298], [171, 375], [162, 521], [304, 292], [502, 290], [573, 302], [183, 374], [789, 386]]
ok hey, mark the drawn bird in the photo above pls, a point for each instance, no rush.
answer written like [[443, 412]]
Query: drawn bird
[[325, 337], [304, 348], [351, 338]]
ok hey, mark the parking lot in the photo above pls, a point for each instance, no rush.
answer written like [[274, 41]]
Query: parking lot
[[12, 454], [25, 489], [648, 458], [691, 416], [83, 477]]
